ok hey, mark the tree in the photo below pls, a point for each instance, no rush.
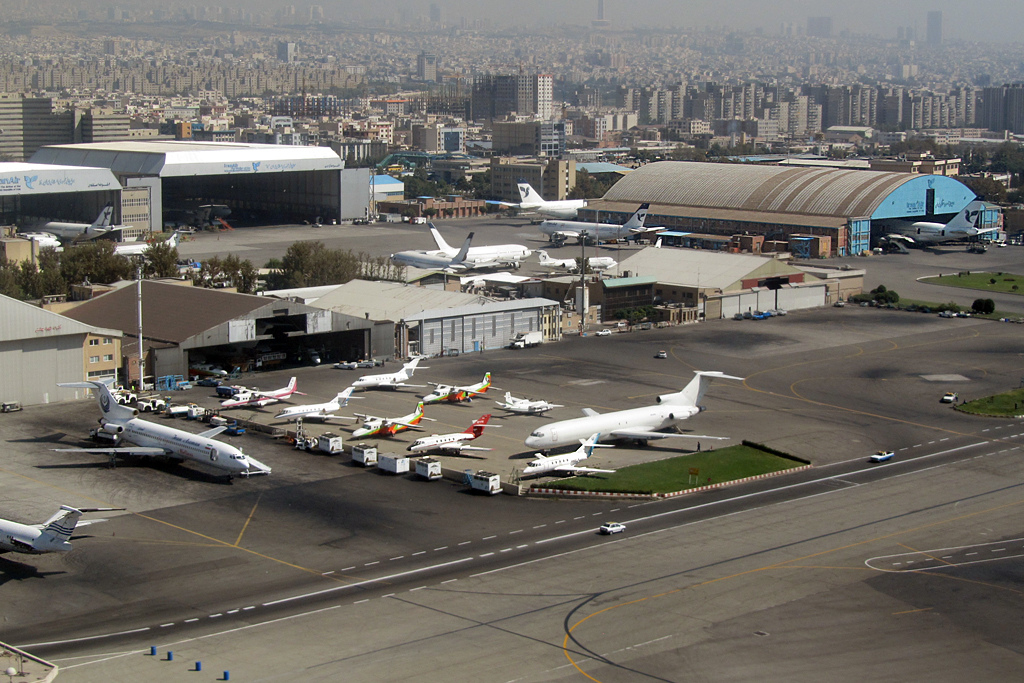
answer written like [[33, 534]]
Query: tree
[[94, 262], [984, 306], [986, 188], [161, 260]]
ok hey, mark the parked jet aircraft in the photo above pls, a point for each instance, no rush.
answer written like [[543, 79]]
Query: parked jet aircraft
[[454, 394], [451, 443], [593, 262], [388, 426], [433, 261], [390, 380], [530, 200], [255, 397], [53, 535], [42, 239], [560, 231], [566, 463], [153, 439], [962, 226], [70, 231], [482, 257], [140, 248], [525, 406], [318, 411], [640, 424]]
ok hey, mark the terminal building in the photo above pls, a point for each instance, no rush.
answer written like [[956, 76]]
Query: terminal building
[[844, 205]]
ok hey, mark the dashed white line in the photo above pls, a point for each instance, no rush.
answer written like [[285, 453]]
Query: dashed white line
[[970, 553], [597, 514], [486, 555], [232, 611], [465, 542], [946, 557], [999, 550], [359, 602], [389, 595], [370, 564], [246, 609], [327, 573], [946, 439], [166, 625], [487, 538], [190, 621], [540, 526], [580, 517], [214, 616], [444, 547], [561, 521], [450, 581], [413, 590], [616, 510], [520, 547], [517, 531], [504, 550], [347, 568], [422, 552], [396, 558]]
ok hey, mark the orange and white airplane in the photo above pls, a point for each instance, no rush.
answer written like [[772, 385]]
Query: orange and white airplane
[[452, 443], [388, 426], [255, 397], [454, 394]]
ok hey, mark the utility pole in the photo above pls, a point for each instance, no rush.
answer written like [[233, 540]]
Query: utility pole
[[142, 355]]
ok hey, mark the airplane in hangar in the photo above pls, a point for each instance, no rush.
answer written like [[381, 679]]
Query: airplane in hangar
[[525, 406], [963, 226], [319, 411], [389, 426], [593, 262], [53, 535], [70, 231], [455, 394], [157, 440], [567, 463], [390, 380], [560, 231], [260, 399], [453, 443], [639, 424], [530, 200], [486, 257]]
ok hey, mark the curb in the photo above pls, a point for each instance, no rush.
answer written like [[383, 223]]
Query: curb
[[660, 496]]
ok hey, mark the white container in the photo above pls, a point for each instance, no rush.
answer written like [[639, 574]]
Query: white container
[[396, 464], [428, 468], [365, 455]]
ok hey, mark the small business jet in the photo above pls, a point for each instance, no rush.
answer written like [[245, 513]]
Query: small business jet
[[162, 441], [390, 380], [388, 426], [454, 394], [639, 424], [51, 536], [318, 411], [525, 406], [255, 397], [566, 464], [593, 262], [451, 443]]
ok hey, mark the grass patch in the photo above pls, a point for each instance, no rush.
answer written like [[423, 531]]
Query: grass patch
[[1006, 283], [934, 307], [673, 474], [1001, 405]]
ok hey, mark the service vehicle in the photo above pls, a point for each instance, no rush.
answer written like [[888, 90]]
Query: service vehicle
[[488, 482], [661, 354], [10, 407], [612, 528], [950, 397], [151, 404], [208, 382], [396, 464], [525, 340], [365, 455], [603, 333], [428, 468], [882, 456]]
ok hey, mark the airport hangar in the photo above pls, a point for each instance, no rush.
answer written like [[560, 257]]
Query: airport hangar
[[846, 205], [259, 183], [31, 191]]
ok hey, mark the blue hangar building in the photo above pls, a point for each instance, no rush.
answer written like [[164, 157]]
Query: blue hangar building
[[728, 199]]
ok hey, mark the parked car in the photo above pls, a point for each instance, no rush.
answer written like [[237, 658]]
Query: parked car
[[346, 365], [208, 382], [839, 304], [738, 316], [604, 333], [950, 397], [661, 354], [612, 528], [882, 456]]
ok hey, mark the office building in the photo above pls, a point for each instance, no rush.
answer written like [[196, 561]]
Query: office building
[[933, 34], [426, 67], [286, 52], [819, 27]]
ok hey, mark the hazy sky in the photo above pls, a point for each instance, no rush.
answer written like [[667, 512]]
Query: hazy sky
[[980, 20]]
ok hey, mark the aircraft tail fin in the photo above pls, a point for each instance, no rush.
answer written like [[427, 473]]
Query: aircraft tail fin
[[528, 195], [638, 217], [693, 393], [410, 367], [62, 524], [969, 218], [293, 384], [104, 219], [111, 409], [461, 256], [477, 428], [343, 397], [438, 240]]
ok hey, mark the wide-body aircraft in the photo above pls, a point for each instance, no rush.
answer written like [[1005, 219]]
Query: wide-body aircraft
[[157, 440], [69, 231], [494, 256], [51, 536], [639, 424], [531, 200], [964, 225], [429, 260], [561, 231]]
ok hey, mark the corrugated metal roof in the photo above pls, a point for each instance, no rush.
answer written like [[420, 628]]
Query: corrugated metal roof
[[391, 300], [19, 320], [716, 214], [698, 268], [483, 308], [837, 193], [611, 283]]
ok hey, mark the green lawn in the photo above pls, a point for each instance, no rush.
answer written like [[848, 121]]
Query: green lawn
[[1007, 283], [1001, 405], [673, 474]]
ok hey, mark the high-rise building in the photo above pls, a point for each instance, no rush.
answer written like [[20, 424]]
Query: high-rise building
[[819, 27], [435, 13], [499, 96], [426, 67], [286, 52], [933, 35], [601, 22]]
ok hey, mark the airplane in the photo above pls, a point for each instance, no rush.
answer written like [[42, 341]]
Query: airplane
[[641, 424], [530, 200], [593, 262], [525, 406], [485, 257], [42, 239], [318, 411], [140, 248], [453, 394], [388, 426], [390, 380], [451, 443], [560, 231], [255, 397], [72, 230], [962, 226], [51, 536], [434, 261], [566, 463], [153, 439]]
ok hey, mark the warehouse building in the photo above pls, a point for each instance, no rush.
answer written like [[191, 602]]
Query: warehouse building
[[844, 205], [32, 192]]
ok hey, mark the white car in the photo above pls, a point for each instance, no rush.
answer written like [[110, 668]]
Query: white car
[[603, 333], [612, 528], [882, 456], [949, 397]]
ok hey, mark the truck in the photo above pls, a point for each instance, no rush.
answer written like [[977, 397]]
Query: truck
[[428, 468], [525, 340], [365, 455], [396, 464], [151, 404], [488, 482], [330, 443]]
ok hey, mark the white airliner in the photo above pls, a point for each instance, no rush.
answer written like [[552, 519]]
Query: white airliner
[[140, 248], [641, 424], [566, 463], [495, 256], [153, 439], [525, 406], [255, 397], [429, 260], [318, 411], [389, 426], [72, 230], [42, 239], [451, 443], [390, 380], [593, 262], [51, 536], [963, 226], [560, 231], [455, 394], [530, 200]]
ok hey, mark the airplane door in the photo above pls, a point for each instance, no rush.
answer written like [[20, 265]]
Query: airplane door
[[213, 454]]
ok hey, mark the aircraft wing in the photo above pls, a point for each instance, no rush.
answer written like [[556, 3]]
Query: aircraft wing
[[643, 230], [644, 434], [902, 238], [567, 234], [402, 384], [590, 412], [458, 447], [116, 450], [210, 433], [573, 469]]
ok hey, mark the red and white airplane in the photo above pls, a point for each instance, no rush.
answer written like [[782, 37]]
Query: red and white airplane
[[452, 443], [255, 397]]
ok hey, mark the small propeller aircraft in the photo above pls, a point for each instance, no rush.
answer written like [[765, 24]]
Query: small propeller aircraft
[[455, 394], [388, 426]]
